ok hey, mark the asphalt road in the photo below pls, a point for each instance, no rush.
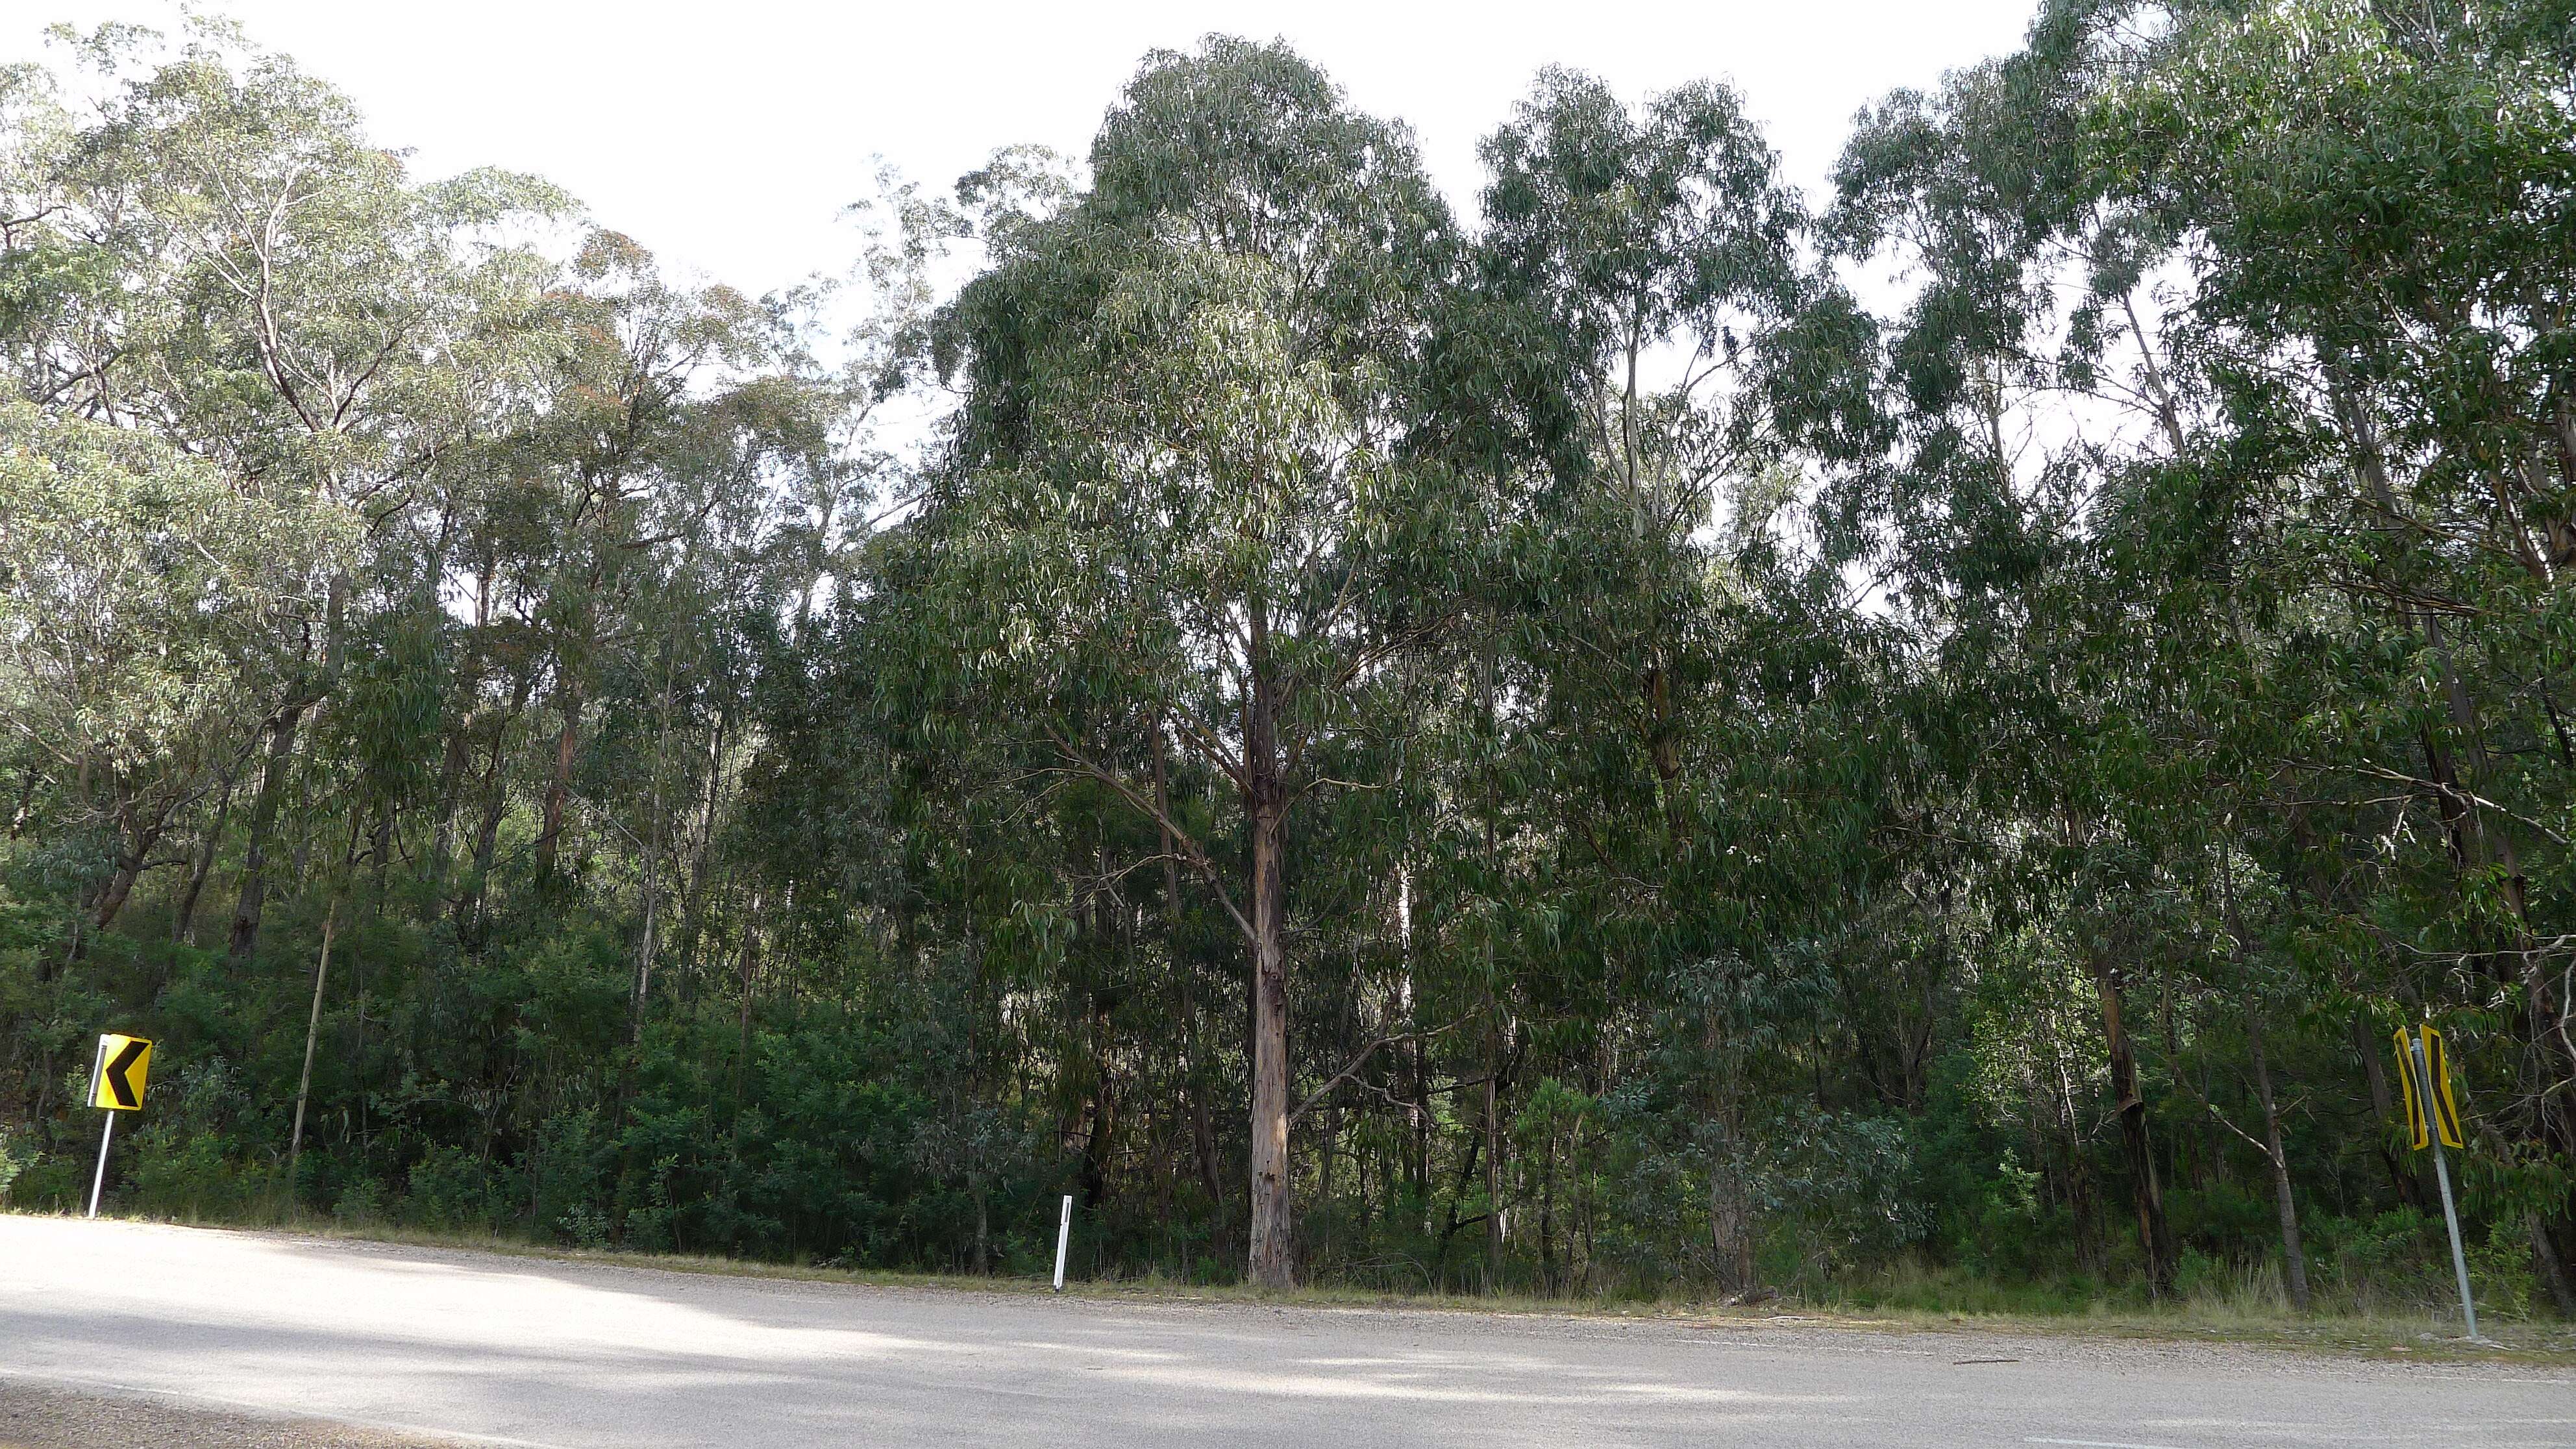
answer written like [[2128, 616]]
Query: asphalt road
[[521, 1351]]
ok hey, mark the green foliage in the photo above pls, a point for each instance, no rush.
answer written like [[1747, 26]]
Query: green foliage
[[1566, 754]]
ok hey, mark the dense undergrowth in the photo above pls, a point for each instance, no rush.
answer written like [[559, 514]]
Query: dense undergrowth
[[823, 1147]]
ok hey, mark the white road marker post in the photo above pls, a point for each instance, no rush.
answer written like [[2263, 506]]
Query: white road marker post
[[1063, 1234], [99, 1179], [2425, 1085]]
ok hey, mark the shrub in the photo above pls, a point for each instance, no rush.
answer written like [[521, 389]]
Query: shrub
[[452, 1189]]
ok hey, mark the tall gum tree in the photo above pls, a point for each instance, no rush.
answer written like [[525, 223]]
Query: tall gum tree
[[2374, 206], [1647, 258], [1181, 505], [244, 272]]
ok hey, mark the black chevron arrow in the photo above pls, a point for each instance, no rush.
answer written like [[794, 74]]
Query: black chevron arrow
[[127, 1094]]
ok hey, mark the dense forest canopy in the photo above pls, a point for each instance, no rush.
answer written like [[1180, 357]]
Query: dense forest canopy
[[1640, 731]]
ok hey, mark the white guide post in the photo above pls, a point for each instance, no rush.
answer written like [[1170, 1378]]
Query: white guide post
[[99, 1179], [1065, 1233], [2425, 1092]]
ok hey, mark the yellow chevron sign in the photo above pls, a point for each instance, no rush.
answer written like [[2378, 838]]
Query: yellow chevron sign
[[116, 1080], [2434, 1080]]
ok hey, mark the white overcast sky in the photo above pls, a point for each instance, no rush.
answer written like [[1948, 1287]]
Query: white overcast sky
[[728, 134]]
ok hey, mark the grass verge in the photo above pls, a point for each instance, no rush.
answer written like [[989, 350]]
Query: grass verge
[[2245, 1318]]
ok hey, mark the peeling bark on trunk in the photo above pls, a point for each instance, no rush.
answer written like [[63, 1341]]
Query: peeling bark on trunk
[[1730, 1221], [1271, 1248]]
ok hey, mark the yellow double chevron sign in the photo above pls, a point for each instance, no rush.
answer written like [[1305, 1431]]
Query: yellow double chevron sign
[[2425, 1069], [116, 1080]]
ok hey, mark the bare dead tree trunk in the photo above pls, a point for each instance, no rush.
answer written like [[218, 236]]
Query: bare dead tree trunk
[[312, 1033]]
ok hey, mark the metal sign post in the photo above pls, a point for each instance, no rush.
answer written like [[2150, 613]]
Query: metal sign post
[[1064, 1232], [2433, 1119], [115, 1085], [99, 1179]]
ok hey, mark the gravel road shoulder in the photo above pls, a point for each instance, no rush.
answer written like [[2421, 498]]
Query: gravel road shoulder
[[44, 1416]]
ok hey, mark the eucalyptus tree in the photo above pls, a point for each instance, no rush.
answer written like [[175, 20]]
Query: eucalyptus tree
[[138, 591], [1646, 264], [2373, 203], [264, 286], [685, 442], [616, 456], [1180, 513], [1704, 784], [223, 259], [2026, 372]]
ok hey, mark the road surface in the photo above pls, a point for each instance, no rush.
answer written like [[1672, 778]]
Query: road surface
[[488, 1348]]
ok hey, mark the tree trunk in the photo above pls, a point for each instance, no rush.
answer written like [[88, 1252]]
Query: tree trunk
[[1730, 1223], [694, 899], [1547, 1275], [458, 748], [120, 885], [2294, 1258], [183, 926], [1494, 1221], [2551, 1264], [380, 849], [137, 833], [559, 787], [1417, 1158], [312, 1033], [1194, 1065], [496, 801], [1100, 1128], [748, 959], [2155, 1235], [644, 959], [253, 899], [455, 752], [1272, 1252]]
